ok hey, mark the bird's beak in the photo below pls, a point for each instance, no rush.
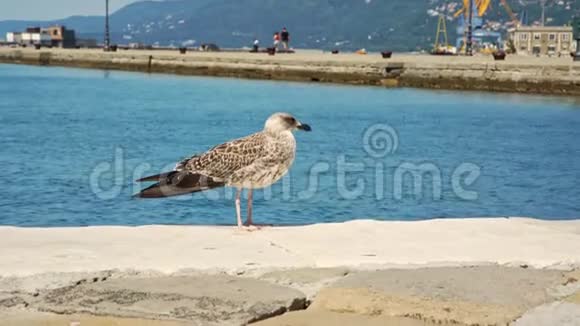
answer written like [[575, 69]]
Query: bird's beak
[[304, 127]]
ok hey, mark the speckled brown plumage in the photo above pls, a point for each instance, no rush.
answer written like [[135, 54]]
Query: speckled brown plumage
[[252, 162]]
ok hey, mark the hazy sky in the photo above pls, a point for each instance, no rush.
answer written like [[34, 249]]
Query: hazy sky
[[53, 9]]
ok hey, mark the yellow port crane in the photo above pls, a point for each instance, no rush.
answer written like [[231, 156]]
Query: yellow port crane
[[482, 7], [510, 12], [441, 45]]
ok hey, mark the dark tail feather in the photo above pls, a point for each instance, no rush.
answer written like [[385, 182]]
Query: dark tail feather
[[158, 177], [177, 183]]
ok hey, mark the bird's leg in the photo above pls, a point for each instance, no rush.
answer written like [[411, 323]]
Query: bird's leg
[[238, 209], [249, 221]]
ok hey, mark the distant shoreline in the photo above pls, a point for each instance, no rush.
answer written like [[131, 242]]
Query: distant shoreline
[[518, 74]]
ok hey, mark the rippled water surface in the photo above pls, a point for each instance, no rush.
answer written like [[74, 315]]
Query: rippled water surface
[[73, 140]]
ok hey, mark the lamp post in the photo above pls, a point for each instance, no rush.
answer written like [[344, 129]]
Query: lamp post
[[576, 35], [543, 4], [469, 45], [107, 33]]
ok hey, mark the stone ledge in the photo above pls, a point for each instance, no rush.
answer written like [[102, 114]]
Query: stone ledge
[[521, 74]]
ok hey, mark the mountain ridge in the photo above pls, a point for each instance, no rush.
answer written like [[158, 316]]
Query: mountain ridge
[[344, 24]]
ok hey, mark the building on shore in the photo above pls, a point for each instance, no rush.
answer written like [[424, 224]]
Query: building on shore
[[62, 37], [542, 40], [57, 36], [14, 37], [35, 35]]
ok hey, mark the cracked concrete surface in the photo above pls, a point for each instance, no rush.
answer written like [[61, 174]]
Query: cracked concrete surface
[[476, 295], [307, 280], [200, 299], [521, 269], [552, 314], [20, 318], [490, 295]]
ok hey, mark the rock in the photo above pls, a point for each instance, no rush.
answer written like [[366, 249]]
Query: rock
[[28, 318], [307, 280], [328, 318], [491, 295], [390, 82], [46, 281], [11, 301], [552, 314], [373, 303], [305, 275], [393, 70], [201, 300]]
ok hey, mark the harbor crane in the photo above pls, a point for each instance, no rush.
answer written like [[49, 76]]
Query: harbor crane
[[482, 6], [441, 41], [471, 25], [510, 12]]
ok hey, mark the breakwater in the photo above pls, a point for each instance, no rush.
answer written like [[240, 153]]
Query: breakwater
[[554, 76]]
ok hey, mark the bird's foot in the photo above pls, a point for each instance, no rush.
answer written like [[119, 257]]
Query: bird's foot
[[249, 228], [252, 228]]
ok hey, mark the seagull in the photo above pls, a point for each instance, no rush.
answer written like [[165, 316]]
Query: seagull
[[252, 162]]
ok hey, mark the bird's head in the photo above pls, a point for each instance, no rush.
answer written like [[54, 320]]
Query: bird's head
[[280, 122]]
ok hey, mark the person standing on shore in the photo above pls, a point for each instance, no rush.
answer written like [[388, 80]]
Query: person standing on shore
[[285, 36], [276, 40], [256, 46]]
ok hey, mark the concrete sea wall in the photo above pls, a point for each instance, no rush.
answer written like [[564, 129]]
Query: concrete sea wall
[[448, 272], [555, 76], [528, 78]]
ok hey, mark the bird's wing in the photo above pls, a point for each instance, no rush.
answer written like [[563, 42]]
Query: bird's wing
[[223, 160]]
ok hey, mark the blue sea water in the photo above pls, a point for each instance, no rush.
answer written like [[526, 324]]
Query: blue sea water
[[72, 141]]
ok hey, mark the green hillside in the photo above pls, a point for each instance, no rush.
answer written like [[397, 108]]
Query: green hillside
[[344, 24]]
